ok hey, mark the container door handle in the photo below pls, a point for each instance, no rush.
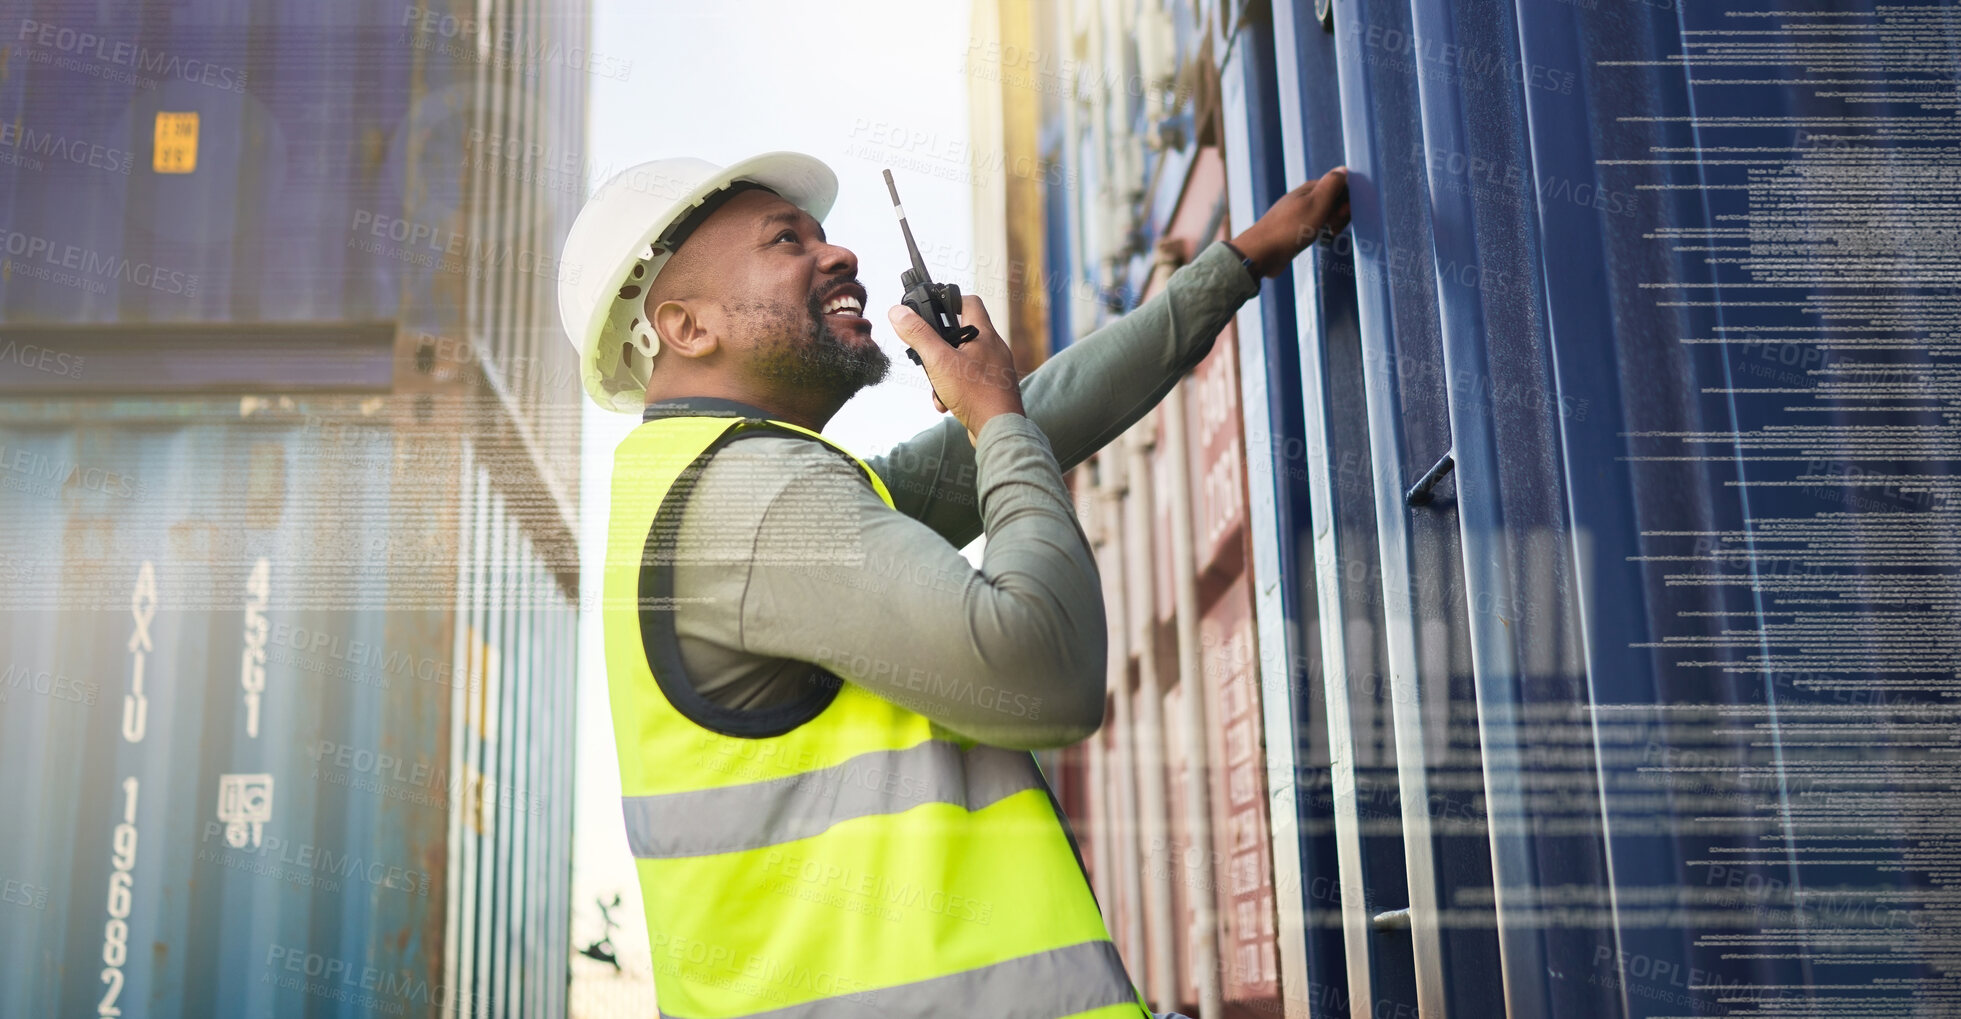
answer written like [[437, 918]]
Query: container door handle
[[1423, 491]]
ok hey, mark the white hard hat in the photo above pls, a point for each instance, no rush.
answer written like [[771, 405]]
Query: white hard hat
[[612, 246]]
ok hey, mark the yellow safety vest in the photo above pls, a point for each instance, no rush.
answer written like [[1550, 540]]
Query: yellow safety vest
[[836, 857]]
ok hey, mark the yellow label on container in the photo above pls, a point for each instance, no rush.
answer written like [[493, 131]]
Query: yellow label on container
[[176, 148]]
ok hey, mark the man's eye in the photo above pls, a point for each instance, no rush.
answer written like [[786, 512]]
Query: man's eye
[[791, 234]]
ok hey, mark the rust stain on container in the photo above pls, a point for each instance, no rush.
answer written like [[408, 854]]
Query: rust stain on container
[[265, 488]]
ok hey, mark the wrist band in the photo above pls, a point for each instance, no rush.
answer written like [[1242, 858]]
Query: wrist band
[[1251, 269]]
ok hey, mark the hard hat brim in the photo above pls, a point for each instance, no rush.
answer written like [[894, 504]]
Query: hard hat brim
[[801, 180]]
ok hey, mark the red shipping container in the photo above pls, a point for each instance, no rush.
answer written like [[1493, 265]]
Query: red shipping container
[[1191, 867], [1241, 836], [1218, 465]]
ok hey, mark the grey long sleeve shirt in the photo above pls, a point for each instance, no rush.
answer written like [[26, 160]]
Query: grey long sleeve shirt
[[790, 569]]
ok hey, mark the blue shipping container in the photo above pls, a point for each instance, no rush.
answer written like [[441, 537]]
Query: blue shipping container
[[1643, 706]]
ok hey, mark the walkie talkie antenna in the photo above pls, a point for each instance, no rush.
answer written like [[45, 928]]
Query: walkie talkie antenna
[[912, 247], [937, 303]]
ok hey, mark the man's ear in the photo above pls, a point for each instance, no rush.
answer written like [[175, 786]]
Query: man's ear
[[680, 330]]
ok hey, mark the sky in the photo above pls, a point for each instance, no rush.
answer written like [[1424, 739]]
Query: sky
[[863, 86]]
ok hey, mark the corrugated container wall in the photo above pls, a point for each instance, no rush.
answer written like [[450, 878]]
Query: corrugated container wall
[[288, 441], [1677, 616], [1599, 504]]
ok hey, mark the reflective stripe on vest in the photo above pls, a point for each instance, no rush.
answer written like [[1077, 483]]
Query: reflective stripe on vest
[[1090, 973], [733, 818], [862, 861]]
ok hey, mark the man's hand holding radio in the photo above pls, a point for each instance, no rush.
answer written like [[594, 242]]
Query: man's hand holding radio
[[977, 379]]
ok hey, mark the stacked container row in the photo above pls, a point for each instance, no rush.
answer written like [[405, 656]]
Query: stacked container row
[[288, 434]]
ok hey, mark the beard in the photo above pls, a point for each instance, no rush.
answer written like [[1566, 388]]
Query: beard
[[797, 350]]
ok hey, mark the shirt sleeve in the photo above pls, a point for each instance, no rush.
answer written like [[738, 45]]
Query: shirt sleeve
[[1012, 654], [1083, 397]]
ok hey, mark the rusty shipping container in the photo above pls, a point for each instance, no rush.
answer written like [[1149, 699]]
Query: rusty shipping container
[[1185, 827], [1170, 798], [1128, 180], [288, 443]]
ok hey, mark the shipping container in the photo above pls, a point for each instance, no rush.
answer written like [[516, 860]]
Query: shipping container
[[277, 752], [276, 164], [289, 439], [1599, 262], [1599, 495]]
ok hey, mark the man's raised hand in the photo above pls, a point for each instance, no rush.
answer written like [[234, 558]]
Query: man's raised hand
[[1295, 221], [976, 380]]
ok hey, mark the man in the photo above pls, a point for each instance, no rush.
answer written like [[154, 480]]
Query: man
[[822, 709]]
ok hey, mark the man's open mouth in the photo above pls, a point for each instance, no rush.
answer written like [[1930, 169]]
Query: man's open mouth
[[847, 303]]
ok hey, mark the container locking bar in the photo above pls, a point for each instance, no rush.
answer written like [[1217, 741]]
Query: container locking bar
[[1391, 920], [1421, 493]]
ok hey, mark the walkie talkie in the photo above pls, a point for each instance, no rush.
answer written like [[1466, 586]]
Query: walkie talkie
[[937, 303]]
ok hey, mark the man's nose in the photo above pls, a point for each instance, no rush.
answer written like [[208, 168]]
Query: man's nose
[[835, 260]]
